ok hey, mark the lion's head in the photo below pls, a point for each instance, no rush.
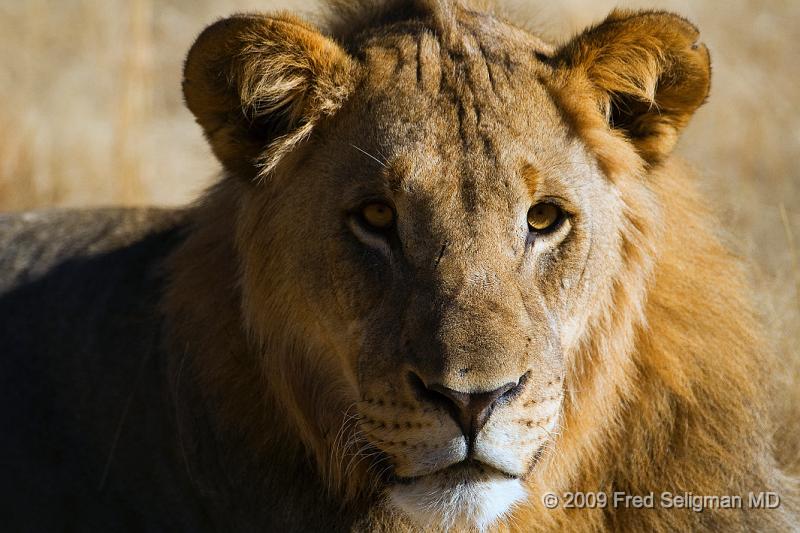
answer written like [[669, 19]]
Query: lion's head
[[433, 209]]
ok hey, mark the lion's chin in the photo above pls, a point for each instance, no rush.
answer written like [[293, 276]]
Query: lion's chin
[[442, 502]]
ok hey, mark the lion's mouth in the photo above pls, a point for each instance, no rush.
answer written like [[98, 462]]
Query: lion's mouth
[[466, 495], [466, 471]]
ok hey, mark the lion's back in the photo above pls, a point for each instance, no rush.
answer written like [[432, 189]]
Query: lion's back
[[33, 242], [81, 399]]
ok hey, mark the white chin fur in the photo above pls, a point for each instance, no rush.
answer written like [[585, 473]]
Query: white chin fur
[[432, 504]]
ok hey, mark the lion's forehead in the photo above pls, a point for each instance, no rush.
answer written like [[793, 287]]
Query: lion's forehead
[[471, 111], [487, 84]]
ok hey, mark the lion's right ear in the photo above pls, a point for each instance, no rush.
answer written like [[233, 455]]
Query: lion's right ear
[[258, 85]]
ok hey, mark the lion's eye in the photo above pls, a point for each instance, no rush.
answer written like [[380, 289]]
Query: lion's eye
[[378, 216], [544, 217]]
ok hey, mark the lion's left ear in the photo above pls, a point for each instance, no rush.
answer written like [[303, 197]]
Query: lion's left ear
[[258, 84], [648, 74]]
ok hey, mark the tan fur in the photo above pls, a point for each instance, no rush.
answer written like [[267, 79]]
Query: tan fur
[[630, 328]]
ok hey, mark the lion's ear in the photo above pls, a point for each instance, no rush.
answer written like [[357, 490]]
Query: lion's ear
[[648, 74], [258, 85]]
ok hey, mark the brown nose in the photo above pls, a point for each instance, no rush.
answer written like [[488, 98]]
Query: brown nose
[[470, 410]]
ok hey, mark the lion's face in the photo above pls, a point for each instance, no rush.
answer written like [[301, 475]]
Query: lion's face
[[457, 315], [436, 244], [457, 291]]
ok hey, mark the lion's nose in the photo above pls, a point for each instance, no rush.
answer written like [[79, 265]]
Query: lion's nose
[[471, 410]]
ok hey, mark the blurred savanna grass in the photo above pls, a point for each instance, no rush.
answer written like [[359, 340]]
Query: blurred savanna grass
[[92, 114]]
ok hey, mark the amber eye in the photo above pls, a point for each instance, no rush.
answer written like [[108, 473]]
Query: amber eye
[[544, 217], [378, 216]]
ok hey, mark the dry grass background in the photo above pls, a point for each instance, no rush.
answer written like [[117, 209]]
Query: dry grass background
[[91, 113]]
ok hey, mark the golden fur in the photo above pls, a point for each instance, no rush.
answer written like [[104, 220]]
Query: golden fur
[[630, 328]]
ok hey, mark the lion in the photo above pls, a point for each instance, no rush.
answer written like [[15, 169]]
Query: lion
[[452, 278]]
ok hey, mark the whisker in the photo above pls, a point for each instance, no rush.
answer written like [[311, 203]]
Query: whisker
[[369, 155]]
